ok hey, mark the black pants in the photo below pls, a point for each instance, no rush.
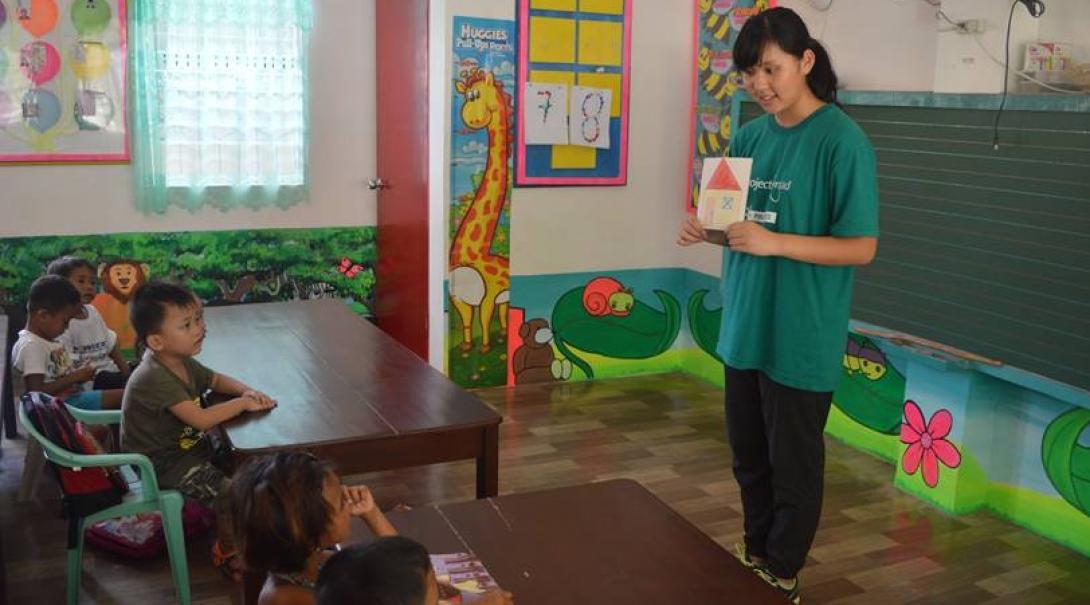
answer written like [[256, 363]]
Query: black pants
[[104, 381], [777, 435]]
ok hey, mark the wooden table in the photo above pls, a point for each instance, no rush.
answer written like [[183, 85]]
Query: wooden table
[[602, 543], [347, 391]]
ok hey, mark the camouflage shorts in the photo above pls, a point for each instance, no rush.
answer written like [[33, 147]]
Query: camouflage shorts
[[204, 483]]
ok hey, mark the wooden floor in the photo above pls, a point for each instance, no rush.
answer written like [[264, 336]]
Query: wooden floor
[[875, 544]]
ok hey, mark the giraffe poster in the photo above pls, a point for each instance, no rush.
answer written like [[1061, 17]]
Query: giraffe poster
[[478, 282]]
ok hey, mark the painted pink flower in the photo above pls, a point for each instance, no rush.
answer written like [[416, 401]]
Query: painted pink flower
[[927, 444]]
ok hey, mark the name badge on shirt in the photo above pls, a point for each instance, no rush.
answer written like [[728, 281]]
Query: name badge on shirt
[[761, 217]]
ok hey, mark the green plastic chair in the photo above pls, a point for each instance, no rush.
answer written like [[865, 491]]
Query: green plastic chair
[[146, 497]]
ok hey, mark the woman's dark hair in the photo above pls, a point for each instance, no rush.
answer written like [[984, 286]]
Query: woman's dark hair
[[784, 28], [279, 512], [388, 571]]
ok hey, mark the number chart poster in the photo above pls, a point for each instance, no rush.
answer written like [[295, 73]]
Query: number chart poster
[[481, 128], [715, 80], [62, 81], [577, 43]]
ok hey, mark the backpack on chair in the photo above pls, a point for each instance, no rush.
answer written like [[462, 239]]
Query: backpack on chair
[[85, 490], [89, 490]]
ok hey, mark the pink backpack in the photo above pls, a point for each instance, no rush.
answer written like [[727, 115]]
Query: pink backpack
[[141, 536]]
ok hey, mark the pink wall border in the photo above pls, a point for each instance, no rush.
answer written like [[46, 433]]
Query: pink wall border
[[521, 179], [87, 158]]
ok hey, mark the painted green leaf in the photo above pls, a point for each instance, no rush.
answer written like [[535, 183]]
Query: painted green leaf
[[645, 332], [876, 404], [704, 324], [1067, 463]]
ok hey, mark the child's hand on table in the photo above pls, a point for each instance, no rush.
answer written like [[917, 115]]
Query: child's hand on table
[[259, 397], [256, 401]]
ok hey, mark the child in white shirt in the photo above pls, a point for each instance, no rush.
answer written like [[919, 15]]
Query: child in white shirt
[[39, 362], [89, 340]]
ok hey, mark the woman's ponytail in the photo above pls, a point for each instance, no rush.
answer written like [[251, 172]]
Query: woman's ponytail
[[822, 78]]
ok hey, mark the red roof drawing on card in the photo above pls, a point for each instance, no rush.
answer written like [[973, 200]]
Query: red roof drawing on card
[[723, 179]]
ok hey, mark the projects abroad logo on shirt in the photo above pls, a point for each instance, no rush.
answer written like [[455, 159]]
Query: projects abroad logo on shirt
[[775, 189], [772, 186]]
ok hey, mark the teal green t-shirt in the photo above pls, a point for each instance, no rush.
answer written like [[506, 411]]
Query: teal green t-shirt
[[786, 318]]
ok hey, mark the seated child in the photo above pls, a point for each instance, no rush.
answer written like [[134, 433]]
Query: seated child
[[38, 361], [163, 413], [88, 340], [385, 571], [290, 509]]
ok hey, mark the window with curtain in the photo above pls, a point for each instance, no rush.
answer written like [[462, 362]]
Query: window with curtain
[[219, 100]]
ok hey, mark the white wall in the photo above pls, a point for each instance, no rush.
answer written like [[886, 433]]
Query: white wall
[[563, 230], [439, 25], [55, 200], [875, 44], [900, 45]]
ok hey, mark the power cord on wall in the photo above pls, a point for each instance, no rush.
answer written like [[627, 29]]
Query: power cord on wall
[[958, 25], [1036, 8]]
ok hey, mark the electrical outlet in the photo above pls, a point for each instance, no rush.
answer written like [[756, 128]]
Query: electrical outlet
[[971, 26]]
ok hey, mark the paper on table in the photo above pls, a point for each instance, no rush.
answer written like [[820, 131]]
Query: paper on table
[[466, 573], [724, 188]]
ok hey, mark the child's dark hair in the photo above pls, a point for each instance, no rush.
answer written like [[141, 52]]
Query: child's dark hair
[[387, 571], [783, 27], [279, 511], [65, 265], [52, 293], [149, 306]]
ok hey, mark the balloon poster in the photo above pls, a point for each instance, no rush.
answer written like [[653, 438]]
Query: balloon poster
[[62, 81]]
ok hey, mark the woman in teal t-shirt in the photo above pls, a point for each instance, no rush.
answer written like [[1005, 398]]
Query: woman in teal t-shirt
[[812, 216]]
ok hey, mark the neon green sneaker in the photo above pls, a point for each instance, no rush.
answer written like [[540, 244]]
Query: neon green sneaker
[[792, 592]]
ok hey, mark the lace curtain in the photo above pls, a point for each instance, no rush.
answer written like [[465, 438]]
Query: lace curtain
[[219, 102]]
